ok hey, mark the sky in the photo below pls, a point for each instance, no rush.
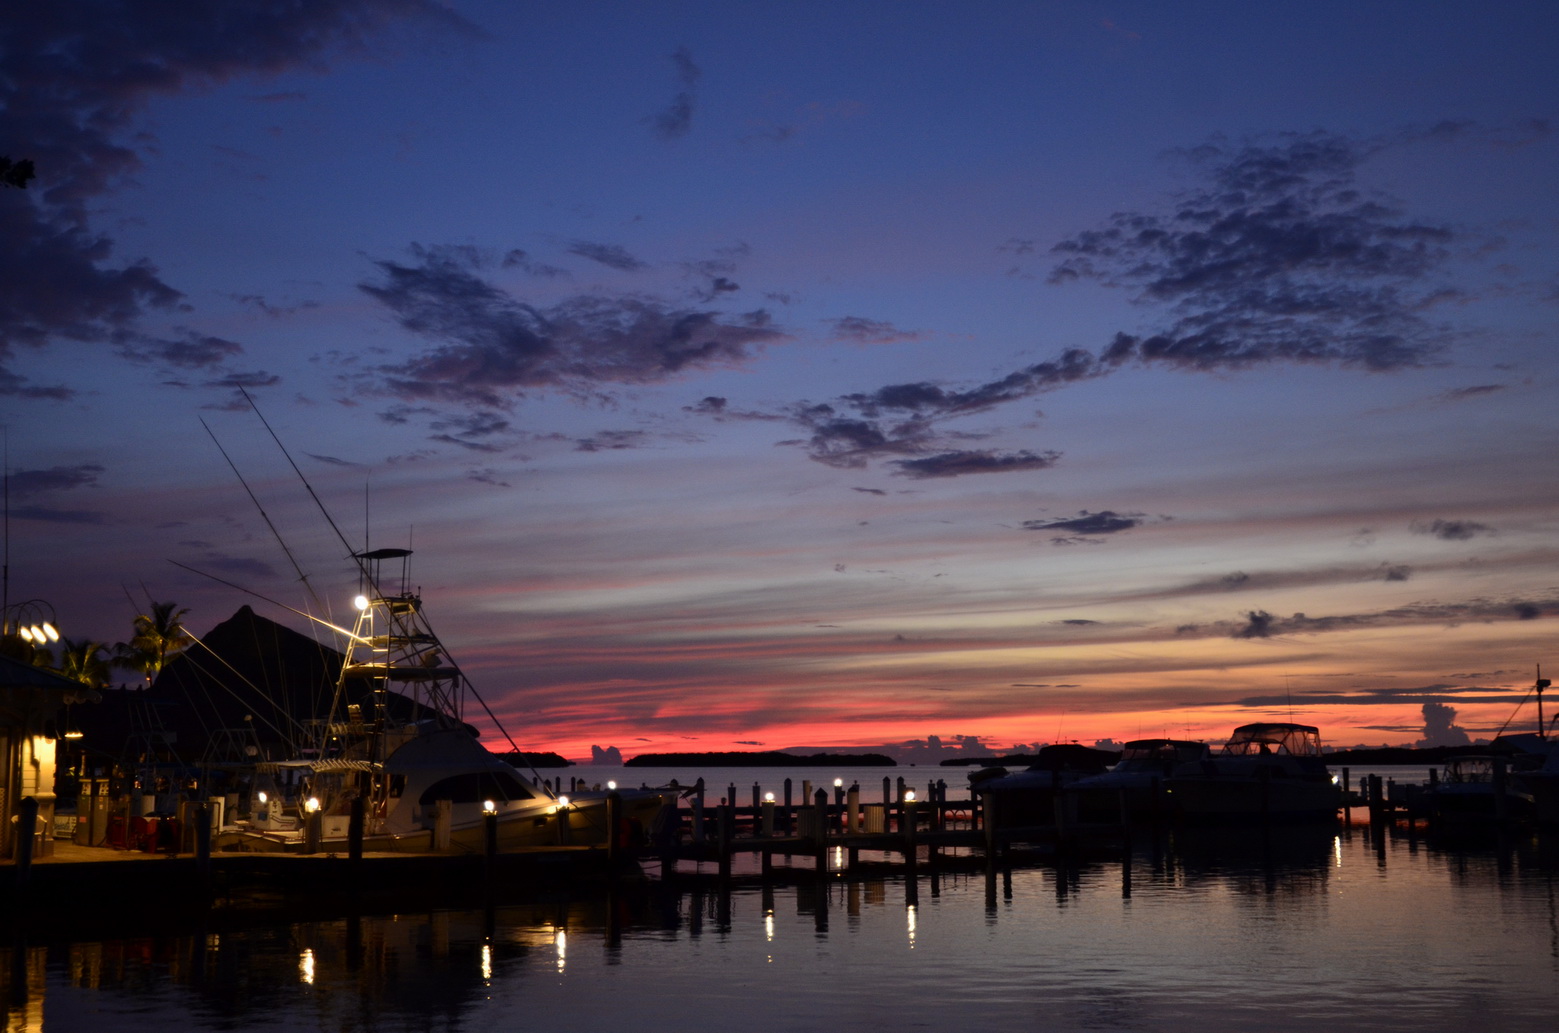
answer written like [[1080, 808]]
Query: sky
[[911, 376]]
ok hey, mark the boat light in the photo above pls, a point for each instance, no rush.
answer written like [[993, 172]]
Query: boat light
[[311, 804], [488, 807], [361, 602]]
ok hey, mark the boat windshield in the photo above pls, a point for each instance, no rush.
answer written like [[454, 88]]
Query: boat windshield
[[1158, 752], [1292, 740]]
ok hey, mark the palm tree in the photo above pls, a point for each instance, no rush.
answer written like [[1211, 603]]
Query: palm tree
[[82, 660], [159, 637]]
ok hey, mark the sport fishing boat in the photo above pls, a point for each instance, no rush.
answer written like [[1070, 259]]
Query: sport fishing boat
[[404, 763], [1479, 788], [1267, 770]]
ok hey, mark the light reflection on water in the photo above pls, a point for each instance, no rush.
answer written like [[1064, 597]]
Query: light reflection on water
[[1340, 930]]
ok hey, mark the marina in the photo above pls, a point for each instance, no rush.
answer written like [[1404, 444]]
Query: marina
[[1345, 927]]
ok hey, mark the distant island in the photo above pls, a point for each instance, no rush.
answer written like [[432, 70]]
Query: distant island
[[764, 759], [534, 760]]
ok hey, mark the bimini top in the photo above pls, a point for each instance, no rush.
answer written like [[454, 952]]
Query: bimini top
[[1275, 737]]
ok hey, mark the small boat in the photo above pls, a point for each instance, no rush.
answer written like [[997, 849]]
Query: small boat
[[1136, 782], [406, 765], [1478, 788], [1269, 770]]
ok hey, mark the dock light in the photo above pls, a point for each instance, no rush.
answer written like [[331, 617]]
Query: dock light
[[488, 807], [311, 804], [563, 801], [838, 783], [48, 629], [611, 785], [909, 796], [265, 797], [768, 797], [361, 602]]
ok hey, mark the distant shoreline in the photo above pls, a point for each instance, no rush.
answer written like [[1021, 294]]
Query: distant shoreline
[[766, 759]]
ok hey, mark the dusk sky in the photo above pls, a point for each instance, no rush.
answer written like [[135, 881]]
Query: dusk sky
[[810, 375]]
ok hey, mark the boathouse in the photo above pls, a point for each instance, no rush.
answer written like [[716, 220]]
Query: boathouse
[[32, 701]]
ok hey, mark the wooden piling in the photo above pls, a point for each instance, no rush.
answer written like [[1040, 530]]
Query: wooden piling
[[354, 831]]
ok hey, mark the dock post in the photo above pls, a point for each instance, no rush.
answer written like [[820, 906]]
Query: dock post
[[887, 800], [820, 802], [853, 810], [698, 819], [354, 831], [614, 837], [768, 818], [1501, 805], [26, 836], [790, 826], [910, 823], [727, 819], [988, 824], [200, 814], [313, 823]]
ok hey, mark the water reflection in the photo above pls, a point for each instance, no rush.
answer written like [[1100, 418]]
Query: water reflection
[[1353, 928]]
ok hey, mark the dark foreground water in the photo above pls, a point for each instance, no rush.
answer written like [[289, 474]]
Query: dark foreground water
[[1323, 929]]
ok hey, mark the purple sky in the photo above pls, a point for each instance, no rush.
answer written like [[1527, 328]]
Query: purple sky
[[811, 374]]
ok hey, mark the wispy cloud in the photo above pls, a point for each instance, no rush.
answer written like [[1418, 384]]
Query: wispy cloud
[[77, 76], [492, 347], [677, 118]]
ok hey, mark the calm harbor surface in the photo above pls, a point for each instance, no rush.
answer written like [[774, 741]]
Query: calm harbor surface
[[1341, 928]]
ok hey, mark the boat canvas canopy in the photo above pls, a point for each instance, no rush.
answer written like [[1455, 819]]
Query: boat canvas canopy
[[1275, 737]]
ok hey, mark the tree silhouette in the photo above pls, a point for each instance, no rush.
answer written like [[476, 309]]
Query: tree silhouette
[[159, 637]]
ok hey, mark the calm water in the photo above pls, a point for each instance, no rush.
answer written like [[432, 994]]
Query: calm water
[[1337, 929]]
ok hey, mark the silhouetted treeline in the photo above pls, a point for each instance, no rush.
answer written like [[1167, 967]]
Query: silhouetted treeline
[[764, 759], [534, 760]]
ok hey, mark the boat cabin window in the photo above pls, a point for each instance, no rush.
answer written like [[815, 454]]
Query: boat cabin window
[[474, 786]]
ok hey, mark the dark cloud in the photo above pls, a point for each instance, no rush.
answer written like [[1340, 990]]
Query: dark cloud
[[77, 76], [1086, 523], [48, 515], [870, 491], [1262, 624], [1279, 257], [612, 440], [677, 118], [869, 331], [1461, 394], [25, 484], [957, 464], [193, 351], [518, 259], [711, 405], [492, 346], [1452, 530], [613, 256]]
